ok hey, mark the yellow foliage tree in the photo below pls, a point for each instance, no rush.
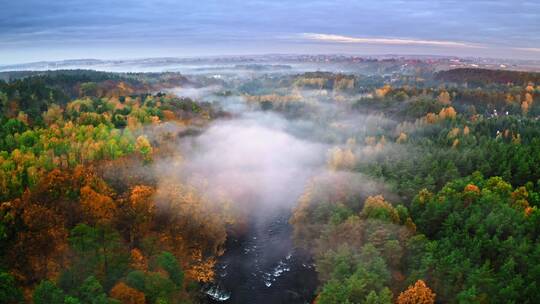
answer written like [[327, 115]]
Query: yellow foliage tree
[[143, 146], [375, 203], [23, 117], [53, 114], [453, 133], [402, 138], [341, 158], [444, 98]]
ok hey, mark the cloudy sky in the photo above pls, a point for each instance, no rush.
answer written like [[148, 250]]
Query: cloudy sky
[[33, 30]]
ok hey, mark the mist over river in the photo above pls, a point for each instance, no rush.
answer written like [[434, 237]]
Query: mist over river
[[260, 160], [255, 159]]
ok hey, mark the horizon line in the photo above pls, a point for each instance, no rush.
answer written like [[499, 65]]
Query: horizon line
[[230, 56]]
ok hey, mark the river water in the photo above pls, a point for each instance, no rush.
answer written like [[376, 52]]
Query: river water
[[262, 266]]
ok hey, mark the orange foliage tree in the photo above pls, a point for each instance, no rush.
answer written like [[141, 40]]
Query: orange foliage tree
[[96, 206], [40, 244], [126, 294], [420, 293], [141, 209], [444, 98]]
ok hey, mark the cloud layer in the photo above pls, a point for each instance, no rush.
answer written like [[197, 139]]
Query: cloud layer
[[388, 41], [32, 30]]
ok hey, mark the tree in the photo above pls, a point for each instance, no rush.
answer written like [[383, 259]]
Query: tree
[[138, 260], [97, 207], [88, 89], [376, 207], [91, 292], [341, 158], [143, 146], [126, 294], [140, 209], [401, 138], [136, 279], [525, 108], [354, 277], [40, 243], [72, 300], [417, 294], [54, 114], [444, 98], [156, 286], [333, 292], [383, 297], [9, 291], [447, 113], [47, 293], [99, 252], [167, 261]]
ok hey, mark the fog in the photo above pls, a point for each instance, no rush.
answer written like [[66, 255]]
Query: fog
[[263, 161], [254, 160]]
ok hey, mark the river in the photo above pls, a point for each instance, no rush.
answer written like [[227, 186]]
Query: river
[[260, 160], [262, 266]]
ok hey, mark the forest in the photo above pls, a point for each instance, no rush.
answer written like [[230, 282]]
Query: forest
[[417, 187]]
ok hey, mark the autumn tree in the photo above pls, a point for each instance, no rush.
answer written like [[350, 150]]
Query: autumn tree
[[382, 92], [141, 209], [97, 207], [417, 294], [126, 294], [444, 98], [376, 207], [137, 260], [402, 138], [341, 158], [447, 113], [40, 244], [54, 114], [186, 216], [144, 147]]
